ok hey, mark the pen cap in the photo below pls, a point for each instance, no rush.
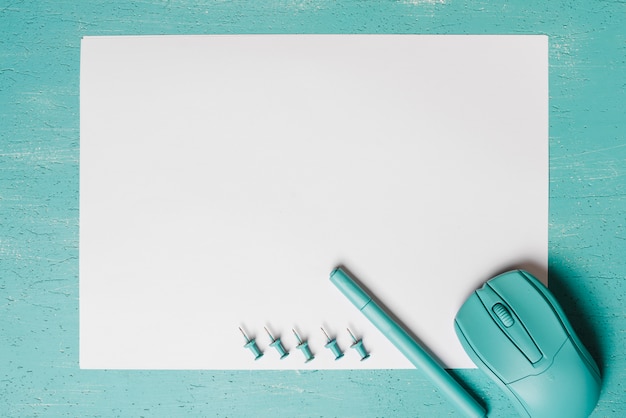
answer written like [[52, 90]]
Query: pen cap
[[349, 288]]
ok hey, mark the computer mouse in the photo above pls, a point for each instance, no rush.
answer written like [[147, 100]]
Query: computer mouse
[[515, 331]]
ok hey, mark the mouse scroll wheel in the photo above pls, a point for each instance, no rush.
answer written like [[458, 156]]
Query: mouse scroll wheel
[[503, 314]]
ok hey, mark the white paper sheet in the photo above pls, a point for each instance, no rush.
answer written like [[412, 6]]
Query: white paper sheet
[[222, 178]]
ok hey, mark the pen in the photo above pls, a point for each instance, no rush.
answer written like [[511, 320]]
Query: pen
[[407, 345]]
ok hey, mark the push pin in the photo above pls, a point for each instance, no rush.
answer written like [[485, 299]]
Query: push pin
[[332, 345], [277, 345], [251, 344], [304, 347], [358, 346]]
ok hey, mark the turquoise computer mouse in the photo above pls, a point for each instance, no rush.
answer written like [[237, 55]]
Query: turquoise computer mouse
[[514, 330]]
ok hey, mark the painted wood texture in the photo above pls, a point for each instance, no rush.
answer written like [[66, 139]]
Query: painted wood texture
[[39, 219]]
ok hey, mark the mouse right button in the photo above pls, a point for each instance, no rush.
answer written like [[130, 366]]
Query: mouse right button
[[532, 308]]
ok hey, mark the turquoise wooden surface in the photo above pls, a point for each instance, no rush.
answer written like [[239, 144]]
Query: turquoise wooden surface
[[39, 150]]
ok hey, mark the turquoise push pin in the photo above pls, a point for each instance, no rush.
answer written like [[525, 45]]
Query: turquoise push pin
[[332, 345], [251, 344], [304, 347], [358, 346], [277, 345]]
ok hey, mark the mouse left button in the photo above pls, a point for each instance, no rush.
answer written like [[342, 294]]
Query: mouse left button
[[483, 339]]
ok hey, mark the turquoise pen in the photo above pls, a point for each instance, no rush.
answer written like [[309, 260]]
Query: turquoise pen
[[407, 345]]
